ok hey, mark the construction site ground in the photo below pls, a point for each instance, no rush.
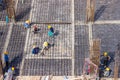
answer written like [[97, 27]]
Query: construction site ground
[[71, 41]]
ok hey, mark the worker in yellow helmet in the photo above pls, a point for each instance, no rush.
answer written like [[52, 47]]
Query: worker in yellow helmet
[[27, 24], [45, 47], [51, 31], [106, 59], [6, 59], [107, 72], [9, 74]]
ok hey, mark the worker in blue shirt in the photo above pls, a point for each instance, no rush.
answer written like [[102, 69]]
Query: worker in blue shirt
[[35, 49], [51, 31], [6, 59], [27, 24]]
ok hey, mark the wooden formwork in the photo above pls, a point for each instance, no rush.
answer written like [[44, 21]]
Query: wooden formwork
[[116, 69], [90, 10], [10, 8], [1, 68], [95, 55]]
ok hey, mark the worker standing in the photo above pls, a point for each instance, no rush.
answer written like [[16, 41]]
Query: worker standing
[[51, 31], [106, 59], [6, 59], [51, 35], [46, 45]]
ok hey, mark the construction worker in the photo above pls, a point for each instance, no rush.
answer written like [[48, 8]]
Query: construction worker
[[51, 31], [107, 72], [9, 74], [35, 29], [6, 59], [35, 49], [45, 47], [27, 24], [106, 59]]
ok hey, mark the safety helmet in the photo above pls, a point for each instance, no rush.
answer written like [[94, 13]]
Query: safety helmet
[[27, 21], [107, 69], [13, 68], [49, 26], [5, 52], [105, 53], [45, 44]]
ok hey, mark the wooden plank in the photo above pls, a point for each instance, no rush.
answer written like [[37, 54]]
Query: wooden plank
[[1, 67], [95, 57], [10, 8], [116, 69], [90, 10], [10, 12]]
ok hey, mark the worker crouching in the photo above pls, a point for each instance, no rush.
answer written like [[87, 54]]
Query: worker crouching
[[35, 29], [35, 50], [107, 72], [27, 24], [9, 74], [45, 47]]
